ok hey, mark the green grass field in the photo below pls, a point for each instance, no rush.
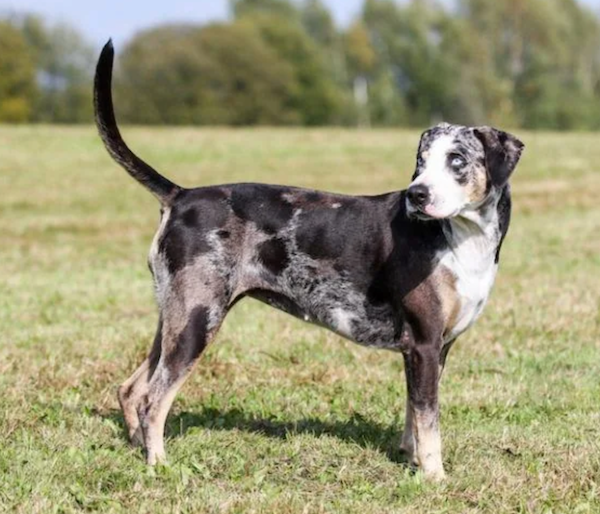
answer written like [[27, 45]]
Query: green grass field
[[280, 416]]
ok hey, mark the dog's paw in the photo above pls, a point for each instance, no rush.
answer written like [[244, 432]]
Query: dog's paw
[[407, 449], [436, 475], [408, 456], [137, 438], [154, 458]]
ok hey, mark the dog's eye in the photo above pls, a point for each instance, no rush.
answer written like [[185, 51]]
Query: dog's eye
[[456, 161]]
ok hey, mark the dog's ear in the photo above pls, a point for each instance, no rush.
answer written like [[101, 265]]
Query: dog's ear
[[502, 153]]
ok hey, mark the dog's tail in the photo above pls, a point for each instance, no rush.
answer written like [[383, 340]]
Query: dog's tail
[[160, 186]]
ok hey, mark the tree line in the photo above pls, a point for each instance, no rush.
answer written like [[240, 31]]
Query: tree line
[[518, 63]]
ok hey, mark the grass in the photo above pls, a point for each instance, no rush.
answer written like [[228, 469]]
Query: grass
[[281, 416]]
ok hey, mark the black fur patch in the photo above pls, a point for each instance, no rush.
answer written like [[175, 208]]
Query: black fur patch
[[180, 244], [315, 237], [462, 178], [312, 197], [191, 342], [504, 208], [325, 232], [502, 153], [274, 255], [279, 301], [263, 205], [196, 213], [190, 217]]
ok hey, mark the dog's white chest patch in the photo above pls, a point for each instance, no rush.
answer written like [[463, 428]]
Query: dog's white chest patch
[[472, 262], [473, 290]]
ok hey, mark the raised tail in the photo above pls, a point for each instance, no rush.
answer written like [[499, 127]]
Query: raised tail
[[145, 174]]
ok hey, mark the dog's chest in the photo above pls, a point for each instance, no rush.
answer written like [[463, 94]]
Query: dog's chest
[[471, 264]]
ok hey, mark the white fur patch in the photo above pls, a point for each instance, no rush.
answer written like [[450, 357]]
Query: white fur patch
[[429, 444], [447, 196], [471, 258], [342, 321], [157, 261]]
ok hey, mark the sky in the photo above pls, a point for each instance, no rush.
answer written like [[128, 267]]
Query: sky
[[120, 19], [98, 20]]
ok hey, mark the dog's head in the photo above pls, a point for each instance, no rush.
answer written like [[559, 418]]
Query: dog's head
[[458, 168]]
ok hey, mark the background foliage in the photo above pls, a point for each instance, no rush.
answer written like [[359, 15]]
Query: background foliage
[[519, 63]]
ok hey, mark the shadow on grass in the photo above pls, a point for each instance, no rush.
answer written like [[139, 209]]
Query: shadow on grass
[[356, 429]]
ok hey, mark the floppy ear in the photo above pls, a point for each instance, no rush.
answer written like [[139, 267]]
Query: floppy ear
[[502, 153]]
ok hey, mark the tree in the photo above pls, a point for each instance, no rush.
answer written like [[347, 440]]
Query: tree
[[407, 40], [281, 8], [220, 74], [531, 63], [318, 23], [360, 63], [64, 68], [17, 75], [316, 97], [546, 54]]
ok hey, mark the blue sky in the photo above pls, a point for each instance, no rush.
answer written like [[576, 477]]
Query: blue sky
[[101, 19]]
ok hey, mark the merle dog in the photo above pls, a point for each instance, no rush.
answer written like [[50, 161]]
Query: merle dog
[[408, 271]]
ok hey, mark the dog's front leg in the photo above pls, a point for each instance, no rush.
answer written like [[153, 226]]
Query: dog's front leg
[[422, 371], [408, 439]]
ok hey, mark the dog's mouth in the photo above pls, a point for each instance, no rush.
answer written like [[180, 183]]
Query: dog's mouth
[[417, 214], [426, 212]]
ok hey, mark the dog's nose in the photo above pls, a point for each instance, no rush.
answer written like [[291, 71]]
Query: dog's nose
[[418, 195]]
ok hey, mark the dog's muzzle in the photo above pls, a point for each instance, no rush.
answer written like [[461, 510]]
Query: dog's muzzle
[[418, 196]]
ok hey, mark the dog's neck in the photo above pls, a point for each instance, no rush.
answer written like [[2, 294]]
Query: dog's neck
[[474, 235]]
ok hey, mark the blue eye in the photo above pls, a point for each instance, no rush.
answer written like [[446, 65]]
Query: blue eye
[[456, 161]]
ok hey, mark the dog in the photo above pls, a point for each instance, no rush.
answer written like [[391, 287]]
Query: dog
[[407, 271]]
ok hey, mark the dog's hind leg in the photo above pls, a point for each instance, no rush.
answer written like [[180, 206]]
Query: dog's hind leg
[[132, 390], [185, 335]]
